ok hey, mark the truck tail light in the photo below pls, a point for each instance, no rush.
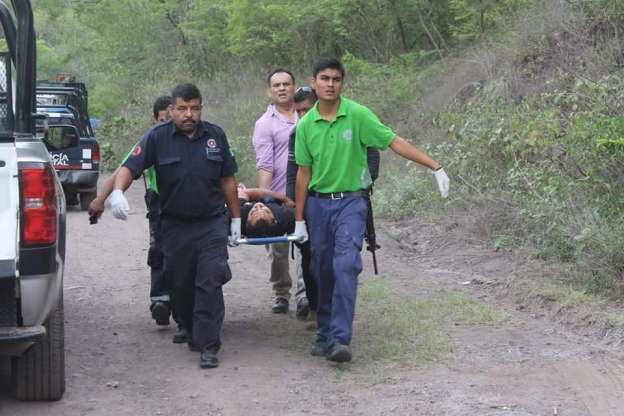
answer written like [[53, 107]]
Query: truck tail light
[[95, 156], [38, 204]]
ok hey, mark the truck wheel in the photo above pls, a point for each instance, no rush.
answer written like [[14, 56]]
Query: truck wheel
[[85, 199], [39, 374]]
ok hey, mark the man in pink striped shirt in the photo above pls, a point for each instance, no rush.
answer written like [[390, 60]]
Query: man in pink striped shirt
[[270, 141]]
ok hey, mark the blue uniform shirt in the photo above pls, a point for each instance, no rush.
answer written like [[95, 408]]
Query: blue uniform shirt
[[188, 171]]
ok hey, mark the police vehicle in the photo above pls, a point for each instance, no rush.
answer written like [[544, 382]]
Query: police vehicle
[[77, 159]]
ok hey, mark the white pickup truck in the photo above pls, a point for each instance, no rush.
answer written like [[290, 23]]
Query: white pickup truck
[[32, 223]]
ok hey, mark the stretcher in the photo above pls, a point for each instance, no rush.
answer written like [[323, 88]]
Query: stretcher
[[258, 241]]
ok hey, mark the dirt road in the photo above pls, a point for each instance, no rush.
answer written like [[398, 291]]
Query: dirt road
[[425, 344]]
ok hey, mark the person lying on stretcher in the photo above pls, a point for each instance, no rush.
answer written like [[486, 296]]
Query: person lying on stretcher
[[270, 214], [265, 213]]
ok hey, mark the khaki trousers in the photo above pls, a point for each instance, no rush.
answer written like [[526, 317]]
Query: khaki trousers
[[280, 273]]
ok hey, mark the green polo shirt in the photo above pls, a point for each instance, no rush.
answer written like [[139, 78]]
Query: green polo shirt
[[150, 173], [336, 150]]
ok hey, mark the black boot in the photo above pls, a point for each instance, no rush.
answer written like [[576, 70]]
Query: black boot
[[182, 336], [339, 353], [160, 312], [208, 358]]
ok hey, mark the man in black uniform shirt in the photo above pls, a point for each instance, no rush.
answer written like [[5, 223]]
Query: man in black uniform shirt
[[195, 174]]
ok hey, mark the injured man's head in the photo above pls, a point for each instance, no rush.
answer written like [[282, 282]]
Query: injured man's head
[[269, 220], [260, 213]]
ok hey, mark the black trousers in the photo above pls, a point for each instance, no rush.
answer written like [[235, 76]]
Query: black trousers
[[308, 277], [196, 259], [159, 287]]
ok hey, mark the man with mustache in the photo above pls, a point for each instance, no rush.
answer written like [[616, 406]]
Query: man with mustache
[[270, 141], [195, 173]]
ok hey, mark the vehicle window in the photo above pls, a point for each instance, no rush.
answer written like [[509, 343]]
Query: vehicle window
[[62, 137], [51, 99]]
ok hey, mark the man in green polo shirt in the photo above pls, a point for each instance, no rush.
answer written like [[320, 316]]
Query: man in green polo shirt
[[159, 292], [331, 143]]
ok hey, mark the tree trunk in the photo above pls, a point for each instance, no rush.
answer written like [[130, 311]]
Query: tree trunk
[[429, 35], [401, 29]]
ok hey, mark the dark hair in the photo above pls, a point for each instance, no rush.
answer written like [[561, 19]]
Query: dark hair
[[161, 104], [262, 228], [328, 63], [278, 71], [284, 223], [305, 93], [187, 92]]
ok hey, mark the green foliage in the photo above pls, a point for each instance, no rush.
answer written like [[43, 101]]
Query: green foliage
[[557, 156], [606, 8], [116, 136], [473, 18], [402, 81], [610, 134], [49, 63], [262, 31], [120, 48], [401, 195], [245, 159]]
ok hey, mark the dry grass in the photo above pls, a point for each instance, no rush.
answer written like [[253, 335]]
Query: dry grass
[[391, 330]]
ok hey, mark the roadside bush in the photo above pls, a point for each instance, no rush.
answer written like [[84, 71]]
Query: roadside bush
[[117, 136], [245, 159], [557, 156]]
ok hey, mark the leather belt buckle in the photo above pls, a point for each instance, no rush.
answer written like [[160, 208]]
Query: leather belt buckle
[[336, 196]]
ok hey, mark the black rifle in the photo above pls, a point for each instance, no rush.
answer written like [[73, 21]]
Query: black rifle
[[369, 236]]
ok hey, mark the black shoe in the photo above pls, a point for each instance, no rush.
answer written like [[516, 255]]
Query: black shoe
[[319, 349], [208, 359], [182, 336], [339, 353], [160, 312], [303, 308], [280, 306]]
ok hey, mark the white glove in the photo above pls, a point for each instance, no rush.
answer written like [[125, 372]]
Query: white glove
[[118, 204], [443, 182], [235, 231], [301, 231]]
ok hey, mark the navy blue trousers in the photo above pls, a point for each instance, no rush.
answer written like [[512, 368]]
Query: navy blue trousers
[[196, 260], [336, 230]]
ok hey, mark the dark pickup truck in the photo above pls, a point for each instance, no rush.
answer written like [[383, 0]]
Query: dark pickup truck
[[76, 161]]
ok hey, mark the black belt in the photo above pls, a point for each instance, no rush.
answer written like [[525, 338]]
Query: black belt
[[184, 219], [338, 195]]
